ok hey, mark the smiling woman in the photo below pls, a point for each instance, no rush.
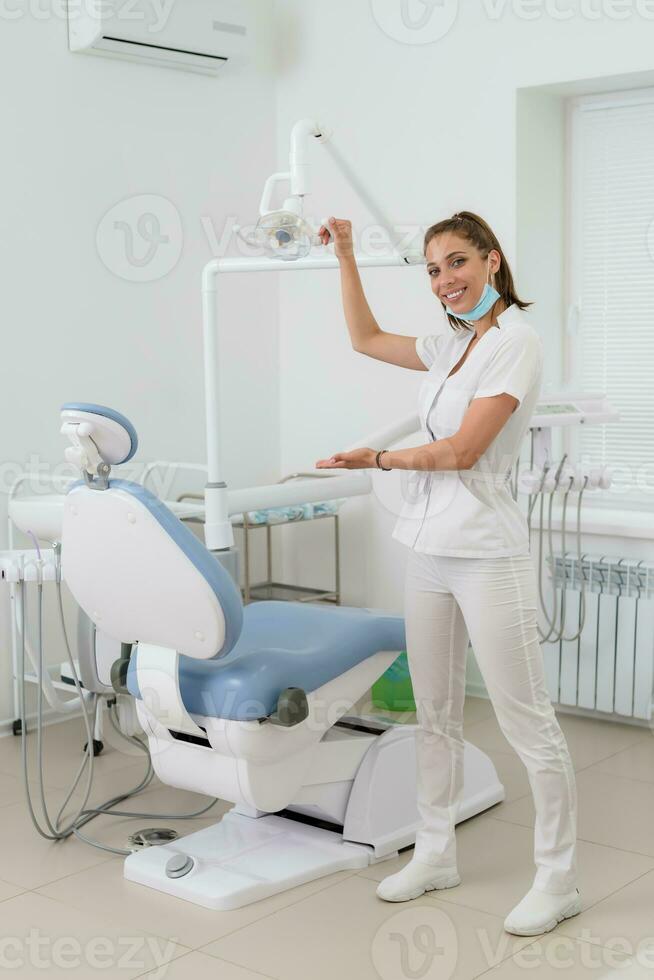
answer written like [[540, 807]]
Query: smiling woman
[[474, 252], [469, 574]]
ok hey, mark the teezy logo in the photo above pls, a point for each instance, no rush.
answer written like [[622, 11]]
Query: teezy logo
[[140, 239], [415, 21]]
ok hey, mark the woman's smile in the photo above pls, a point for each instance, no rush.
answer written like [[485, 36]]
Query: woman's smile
[[455, 294]]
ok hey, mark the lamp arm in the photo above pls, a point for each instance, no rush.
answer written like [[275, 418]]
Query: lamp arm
[[410, 256]]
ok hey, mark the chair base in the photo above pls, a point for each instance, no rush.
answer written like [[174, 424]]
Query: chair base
[[241, 860], [244, 859]]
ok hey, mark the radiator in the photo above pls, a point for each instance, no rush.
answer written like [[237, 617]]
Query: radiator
[[610, 667]]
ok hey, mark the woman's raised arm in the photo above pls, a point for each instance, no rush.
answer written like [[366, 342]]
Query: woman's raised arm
[[365, 333]]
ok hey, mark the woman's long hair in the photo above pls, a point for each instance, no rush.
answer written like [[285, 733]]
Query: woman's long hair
[[475, 230]]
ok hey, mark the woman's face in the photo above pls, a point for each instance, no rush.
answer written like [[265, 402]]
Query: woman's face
[[458, 272]]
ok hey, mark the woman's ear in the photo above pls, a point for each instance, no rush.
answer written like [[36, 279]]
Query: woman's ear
[[495, 261]]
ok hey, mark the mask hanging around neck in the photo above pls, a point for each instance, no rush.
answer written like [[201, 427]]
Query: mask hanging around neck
[[488, 297]]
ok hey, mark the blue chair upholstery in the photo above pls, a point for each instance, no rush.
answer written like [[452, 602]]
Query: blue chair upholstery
[[268, 646], [282, 644]]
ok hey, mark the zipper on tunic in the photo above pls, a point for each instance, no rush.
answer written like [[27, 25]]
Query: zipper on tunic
[[424, 518], [422, 524]]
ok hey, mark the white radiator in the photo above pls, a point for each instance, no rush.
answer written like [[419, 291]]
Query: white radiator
[[610, 667]]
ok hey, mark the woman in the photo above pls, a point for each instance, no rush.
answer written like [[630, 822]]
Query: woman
[[469, 572]]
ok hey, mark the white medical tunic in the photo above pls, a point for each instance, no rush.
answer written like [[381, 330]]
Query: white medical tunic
[[471, 513]]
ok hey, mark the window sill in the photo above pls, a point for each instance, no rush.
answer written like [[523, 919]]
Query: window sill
[[604, 522]]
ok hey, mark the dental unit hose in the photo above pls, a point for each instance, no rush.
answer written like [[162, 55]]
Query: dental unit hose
[[90, 704], [556, 632]]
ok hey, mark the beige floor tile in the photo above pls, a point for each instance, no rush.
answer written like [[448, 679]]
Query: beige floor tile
[[623, 920], [43, 936], [635, 762], [63, 751], [172, 800], [146, 907], [558, 957], [8, 891], [612, 810], [107, 783], [486, 735], [336, 927], [28, 860], [476, 709], [200, 966], [589, 740], [105, 786], [11, 789], [45, 861], [346, 931], [512, 774], [161, 802], [496, 864], [630, 970]]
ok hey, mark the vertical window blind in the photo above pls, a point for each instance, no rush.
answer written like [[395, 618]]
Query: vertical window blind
[[610, 263]]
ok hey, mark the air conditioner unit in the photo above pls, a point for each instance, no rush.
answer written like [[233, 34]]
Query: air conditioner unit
[[193, 35]]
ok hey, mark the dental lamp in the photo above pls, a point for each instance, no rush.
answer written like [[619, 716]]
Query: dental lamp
[[284, 233], [286, 239]]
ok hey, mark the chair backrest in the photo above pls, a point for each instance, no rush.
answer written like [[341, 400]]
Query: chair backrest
[[142, 576]]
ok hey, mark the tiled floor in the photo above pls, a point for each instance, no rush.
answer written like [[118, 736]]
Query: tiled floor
[[66, 905]]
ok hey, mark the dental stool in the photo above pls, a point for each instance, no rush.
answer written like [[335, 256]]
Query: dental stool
[[248, 704]]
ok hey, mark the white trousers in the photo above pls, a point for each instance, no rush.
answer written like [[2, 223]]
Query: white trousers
[[492, 601]]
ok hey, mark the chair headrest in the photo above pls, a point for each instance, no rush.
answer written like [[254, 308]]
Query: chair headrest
[[113, 434]]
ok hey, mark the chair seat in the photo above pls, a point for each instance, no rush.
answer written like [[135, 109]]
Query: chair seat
[[282, 644]]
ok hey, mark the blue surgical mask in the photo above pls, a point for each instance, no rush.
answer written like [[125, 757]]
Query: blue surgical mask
[[489, 296]]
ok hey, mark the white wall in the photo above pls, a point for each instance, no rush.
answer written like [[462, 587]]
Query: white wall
[[433, 129], [80, 134]]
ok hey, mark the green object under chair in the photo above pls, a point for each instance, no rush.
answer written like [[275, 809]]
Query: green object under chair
[[393, 690]]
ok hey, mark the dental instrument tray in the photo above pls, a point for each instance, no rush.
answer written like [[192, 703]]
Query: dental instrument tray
[[269, 589], [252, 520]]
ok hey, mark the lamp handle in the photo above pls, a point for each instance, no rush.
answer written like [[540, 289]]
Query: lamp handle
[[268, 188]]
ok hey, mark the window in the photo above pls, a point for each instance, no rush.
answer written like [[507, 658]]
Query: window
[[609, 345]]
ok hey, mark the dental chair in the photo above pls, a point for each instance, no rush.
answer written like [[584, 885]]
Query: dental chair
[[246, 704]]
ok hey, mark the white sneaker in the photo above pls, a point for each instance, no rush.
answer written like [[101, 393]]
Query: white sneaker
[[415, 879], [540, 912]]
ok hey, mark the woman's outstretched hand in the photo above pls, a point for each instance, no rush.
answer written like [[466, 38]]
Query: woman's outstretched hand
[[356, 459], [341, 231]]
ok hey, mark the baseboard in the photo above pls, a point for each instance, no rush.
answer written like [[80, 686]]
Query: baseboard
[[50, 717]]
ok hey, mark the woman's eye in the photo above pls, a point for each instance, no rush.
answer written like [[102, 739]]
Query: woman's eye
[[456, 261], [433, 272]]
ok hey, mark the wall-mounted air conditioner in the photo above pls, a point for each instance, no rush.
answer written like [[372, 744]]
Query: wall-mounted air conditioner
[[194, 35]]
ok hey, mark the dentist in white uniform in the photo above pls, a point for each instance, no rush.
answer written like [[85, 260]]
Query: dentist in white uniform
[[469, 572]]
